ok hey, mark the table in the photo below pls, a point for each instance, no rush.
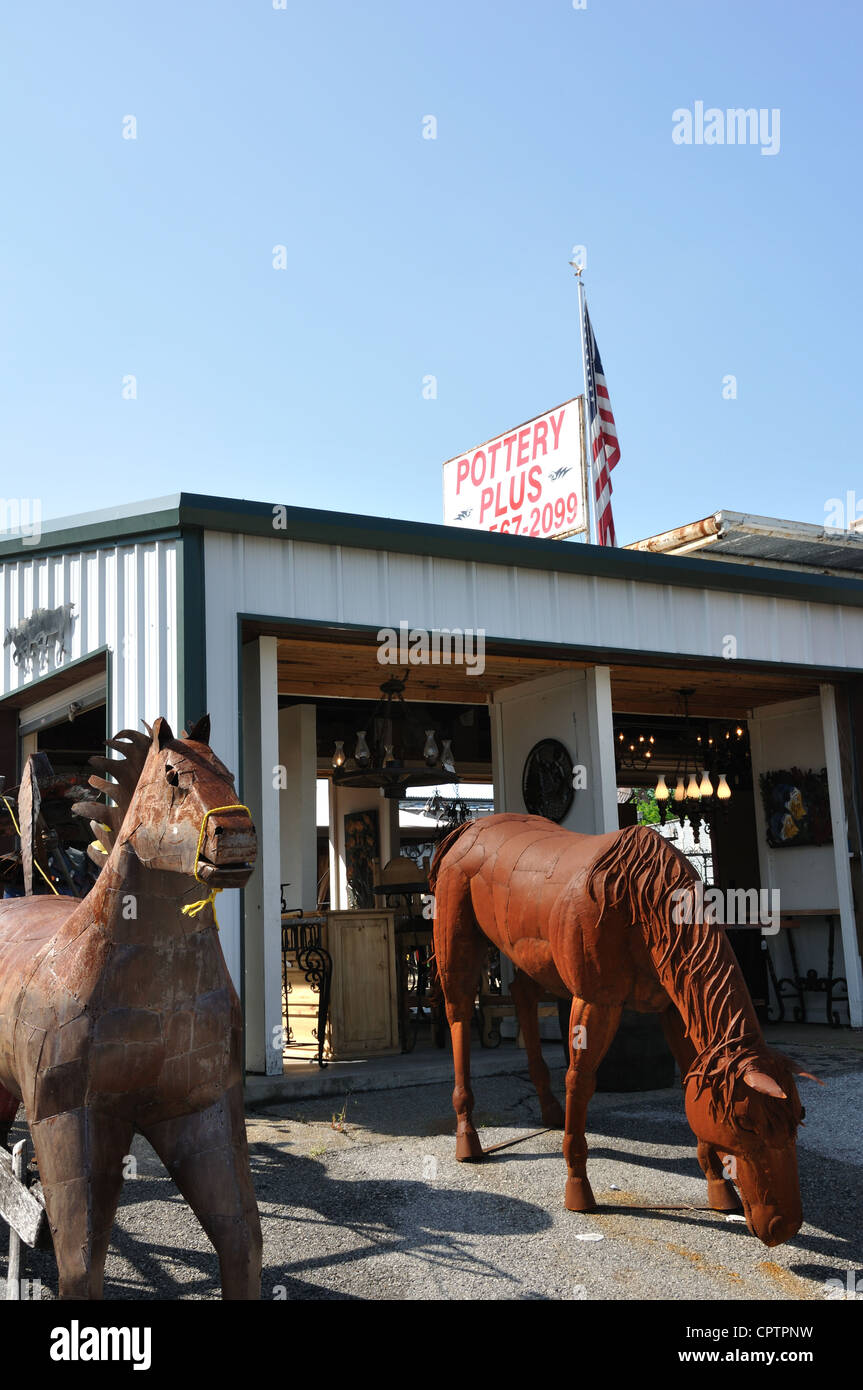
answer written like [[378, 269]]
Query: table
[[797, 985]]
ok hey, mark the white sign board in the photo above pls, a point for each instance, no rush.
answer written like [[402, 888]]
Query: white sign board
[[528, 481]]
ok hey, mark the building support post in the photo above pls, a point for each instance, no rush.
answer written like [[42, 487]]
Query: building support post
[[602, 770], [297, 795], [839, 819], [263, 926]]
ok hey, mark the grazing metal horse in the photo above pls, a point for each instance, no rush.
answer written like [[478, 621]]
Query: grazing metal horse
[[117, 1013], [604, 918]]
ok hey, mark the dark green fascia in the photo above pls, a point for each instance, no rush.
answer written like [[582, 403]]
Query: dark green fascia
[[198, 512], [520, 552], [191, 630], [87, 538]]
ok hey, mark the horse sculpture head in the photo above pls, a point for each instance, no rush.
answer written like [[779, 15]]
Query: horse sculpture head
[[741, 1100], [745, 1106], [177, 807]]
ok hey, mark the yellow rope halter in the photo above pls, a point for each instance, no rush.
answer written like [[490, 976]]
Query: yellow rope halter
[[35, 860], [192, 909]]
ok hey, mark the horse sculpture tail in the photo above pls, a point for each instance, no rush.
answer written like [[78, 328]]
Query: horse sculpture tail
[[443, 849]]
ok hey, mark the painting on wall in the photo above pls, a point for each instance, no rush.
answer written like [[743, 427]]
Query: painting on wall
[[796, 808], [362, 853]]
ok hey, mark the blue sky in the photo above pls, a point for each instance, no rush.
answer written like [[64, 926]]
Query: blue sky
[[302, 127]]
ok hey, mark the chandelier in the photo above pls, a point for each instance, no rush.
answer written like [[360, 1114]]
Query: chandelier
[[381, 752], [693, 784], [634, 751]]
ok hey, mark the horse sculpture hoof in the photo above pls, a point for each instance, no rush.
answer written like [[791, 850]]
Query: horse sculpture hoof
[[468, 1148], [579, 1195], [722, 1195]]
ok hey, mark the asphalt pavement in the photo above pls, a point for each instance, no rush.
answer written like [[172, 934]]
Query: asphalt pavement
[[361, 1198]]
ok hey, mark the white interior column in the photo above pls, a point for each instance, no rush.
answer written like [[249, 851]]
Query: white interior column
[[298, 805], [263, 937], [573, 707], [602, 772], [839, 819]]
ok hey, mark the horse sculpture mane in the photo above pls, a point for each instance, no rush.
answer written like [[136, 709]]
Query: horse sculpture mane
[[613, 921], [647, 875], [117, 1013], [125, 771]]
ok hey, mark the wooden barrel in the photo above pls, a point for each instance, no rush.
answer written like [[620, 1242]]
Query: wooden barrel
[[639, 1058]]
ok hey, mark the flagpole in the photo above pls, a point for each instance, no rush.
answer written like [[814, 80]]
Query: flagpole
[[588, 471]]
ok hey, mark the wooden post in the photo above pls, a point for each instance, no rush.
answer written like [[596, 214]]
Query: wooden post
[[13, 1275]]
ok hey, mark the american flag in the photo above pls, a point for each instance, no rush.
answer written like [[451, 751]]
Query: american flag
[[601, 436]]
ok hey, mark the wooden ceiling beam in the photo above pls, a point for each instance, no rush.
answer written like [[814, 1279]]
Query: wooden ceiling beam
[[349, 670]]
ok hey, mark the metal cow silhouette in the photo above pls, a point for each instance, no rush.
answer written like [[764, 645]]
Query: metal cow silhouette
[[604, 918], [117, 1013]]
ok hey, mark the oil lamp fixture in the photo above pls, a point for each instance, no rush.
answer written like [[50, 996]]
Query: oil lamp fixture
[[381, 752]]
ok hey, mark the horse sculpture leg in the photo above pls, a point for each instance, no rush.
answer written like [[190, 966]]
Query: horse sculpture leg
[[81, 1160], [207, 1155], [459, 949], [525, 995], [591, 1030], [721, 1194]]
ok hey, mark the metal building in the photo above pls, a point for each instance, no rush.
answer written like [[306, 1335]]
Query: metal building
[[194, 603]]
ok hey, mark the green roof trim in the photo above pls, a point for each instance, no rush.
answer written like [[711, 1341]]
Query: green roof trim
[[191, 630], [189, 512]]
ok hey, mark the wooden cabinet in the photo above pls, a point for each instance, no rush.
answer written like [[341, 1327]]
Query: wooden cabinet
[[364, 1005]]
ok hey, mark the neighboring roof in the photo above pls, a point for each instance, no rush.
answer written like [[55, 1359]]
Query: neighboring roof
[[194, 512], [763, 540]]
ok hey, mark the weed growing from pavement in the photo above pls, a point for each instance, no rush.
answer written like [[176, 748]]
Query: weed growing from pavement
[[338, 1122]]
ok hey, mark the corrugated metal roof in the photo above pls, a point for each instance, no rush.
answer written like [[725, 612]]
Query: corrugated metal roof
[[763, 540]]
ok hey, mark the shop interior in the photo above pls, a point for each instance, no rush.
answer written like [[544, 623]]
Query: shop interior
[[683, 764], [55, 741]]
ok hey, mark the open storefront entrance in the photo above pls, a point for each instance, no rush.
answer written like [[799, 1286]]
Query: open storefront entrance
[[334, 843], [51, 729]]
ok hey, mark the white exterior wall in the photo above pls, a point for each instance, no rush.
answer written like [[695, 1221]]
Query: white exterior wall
[[125, 598], [337, 584], [792, 734]]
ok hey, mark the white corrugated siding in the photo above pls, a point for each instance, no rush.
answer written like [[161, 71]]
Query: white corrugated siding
[[125, 598], [334, 584]]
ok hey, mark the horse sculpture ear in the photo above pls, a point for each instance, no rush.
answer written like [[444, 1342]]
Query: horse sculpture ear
[[796, 1068], [162, 734], [798, 1071], [760, 1081], [199, 732]]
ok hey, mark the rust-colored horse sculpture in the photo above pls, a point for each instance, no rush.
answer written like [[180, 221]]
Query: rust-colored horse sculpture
[[603, 918], [117, 1013]]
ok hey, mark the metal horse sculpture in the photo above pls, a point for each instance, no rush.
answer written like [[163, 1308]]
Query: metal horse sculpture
[[117, 1013], [604, 918]]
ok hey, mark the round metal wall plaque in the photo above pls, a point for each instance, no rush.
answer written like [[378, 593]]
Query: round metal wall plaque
[[546, 783]]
